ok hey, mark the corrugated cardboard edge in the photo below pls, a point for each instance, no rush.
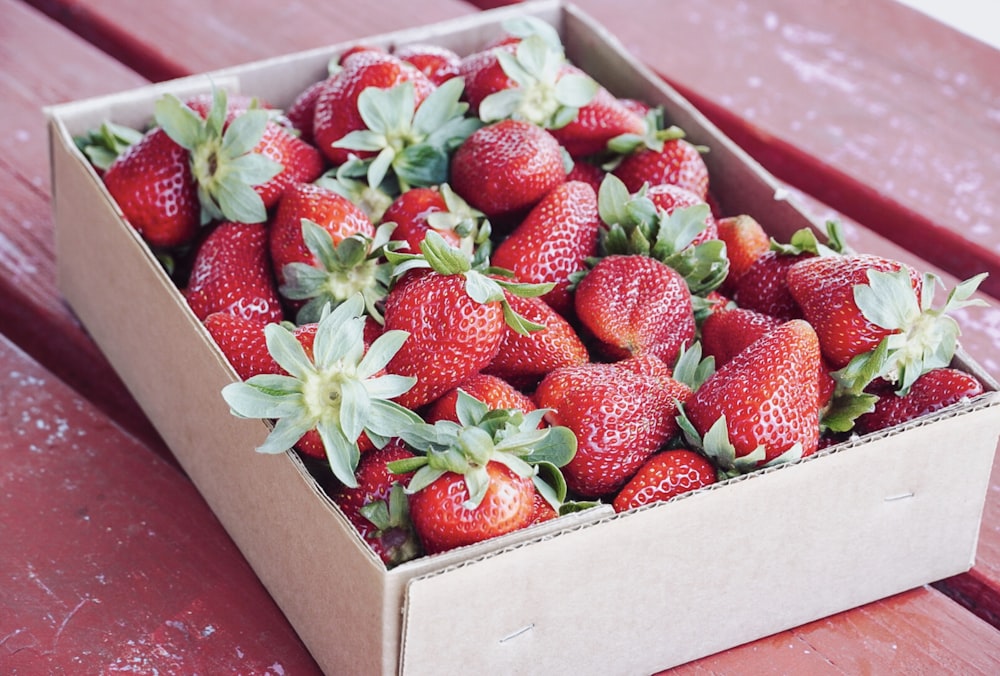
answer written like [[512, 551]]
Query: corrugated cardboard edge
[[317, 569]]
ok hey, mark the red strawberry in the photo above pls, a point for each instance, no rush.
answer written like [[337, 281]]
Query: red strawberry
[[152, 183], [542, 511], [874, 317], [300, 113], [524, 358], [598, 121], [451, 337], [724, 334], [444, 521], [663, 476], [438, 63], [242, 342], [493, 391], [477, 478], [377, 507], [762, 403], [636, 305], [746, 241], [232, 273], [588, 173], [336, 111], [930, 392], [332, 212], [483, 74], [421, 209], [507, 167], [678, 162], [554, 241], [620, 419]]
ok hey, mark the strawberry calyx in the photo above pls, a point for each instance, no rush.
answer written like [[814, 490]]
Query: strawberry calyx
[[656, 135], [717, 447], [471, 225], [544, 94], [223, 161], [105, 143], [414, 142], [922, 337], [340, 392], [690, 368], [483, 284], [350, 180], [353, 266], [634, 225], [805, 241], [482, 435]]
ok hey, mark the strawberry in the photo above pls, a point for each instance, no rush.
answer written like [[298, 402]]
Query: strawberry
[[337, 111], [493, 391], [438, 63], [724, 334], [477, 478], [554, 241], [874, 317], [335, 393], [764, 286], [300, 113], [507, 167], [420, 209], [665, 475], [597, 121], [524, 358], [587, 172], [232, 273], [455, 317], [746, 240], [636, 305], [667, 223], [661, 156], [620, 418], [762, 406], [329, 210], [378, 507], [243, 343], [931, 392]]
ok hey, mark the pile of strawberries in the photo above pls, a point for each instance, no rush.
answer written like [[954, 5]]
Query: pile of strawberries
[[483, 291]]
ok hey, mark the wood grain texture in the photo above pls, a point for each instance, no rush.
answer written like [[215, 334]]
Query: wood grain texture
[[45, 64], [111, 560]]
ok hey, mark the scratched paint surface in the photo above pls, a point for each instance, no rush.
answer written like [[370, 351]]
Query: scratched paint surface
[[111, 561]]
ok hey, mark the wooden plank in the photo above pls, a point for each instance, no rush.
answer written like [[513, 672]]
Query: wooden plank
[[111, 560], [167, 39], [51, 66], [873, 108], [917, 632]]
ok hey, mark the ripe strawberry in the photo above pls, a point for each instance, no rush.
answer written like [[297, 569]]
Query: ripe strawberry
[[300, 113], [332, 394], [332, 212], [507, 167], [762, 404], [620, 418], [336, 112], [524, 358], [677, 161], [667, 223], [764, 286], [243, 343], [423, 208], [378, 507], [554, 241], [438, 63], [232, 273], [597, 122], [726, 333], [493, 391], [665, 475], [931, 392], [746, 241], [477, 478], [483, 75], [636, 305], [587, 172], [874, 317], [455, 317], [542, 511]]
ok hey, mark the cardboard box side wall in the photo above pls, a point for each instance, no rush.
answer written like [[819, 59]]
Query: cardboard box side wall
[[345, 606]]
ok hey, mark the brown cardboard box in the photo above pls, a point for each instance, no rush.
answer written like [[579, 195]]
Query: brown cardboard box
[[590, 593]]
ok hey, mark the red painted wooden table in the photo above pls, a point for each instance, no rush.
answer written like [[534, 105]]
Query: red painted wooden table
[[111, 560]]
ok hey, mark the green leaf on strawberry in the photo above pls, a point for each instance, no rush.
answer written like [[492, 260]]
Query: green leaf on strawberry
[[352, 266], [413, 142], [104, 144], [340, 391], [223, 161], [350, 180]]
